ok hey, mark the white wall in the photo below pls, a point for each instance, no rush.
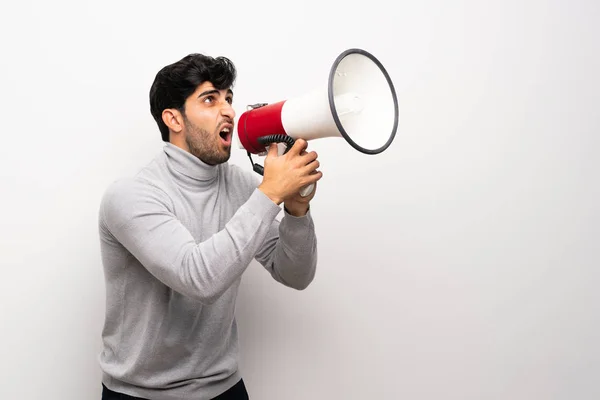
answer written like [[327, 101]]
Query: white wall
[[461, 264]]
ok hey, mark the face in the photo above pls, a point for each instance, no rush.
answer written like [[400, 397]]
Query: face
[[208, 123]]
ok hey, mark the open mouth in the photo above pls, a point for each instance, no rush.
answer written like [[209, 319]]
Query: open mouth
[[225, 135]]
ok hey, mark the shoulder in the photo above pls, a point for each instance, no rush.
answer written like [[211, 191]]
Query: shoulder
[[133, 188], [127, 197], [149, 181]]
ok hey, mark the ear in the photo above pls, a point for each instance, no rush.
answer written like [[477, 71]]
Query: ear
[[173, 119]]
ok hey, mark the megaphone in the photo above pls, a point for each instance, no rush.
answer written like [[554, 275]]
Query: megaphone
[[358, 103]]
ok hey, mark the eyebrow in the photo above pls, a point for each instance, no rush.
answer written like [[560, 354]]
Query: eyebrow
[[214, 91]]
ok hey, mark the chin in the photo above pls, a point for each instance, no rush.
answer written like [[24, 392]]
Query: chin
[[214, 159], [226, 156]]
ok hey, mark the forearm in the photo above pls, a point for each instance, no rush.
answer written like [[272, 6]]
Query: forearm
[[200, 270], [206, 270], [290, 254]]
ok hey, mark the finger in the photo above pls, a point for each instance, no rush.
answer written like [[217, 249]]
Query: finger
[[299, 146], [313, 178], [309, 157], [311, 167], [273, 151]]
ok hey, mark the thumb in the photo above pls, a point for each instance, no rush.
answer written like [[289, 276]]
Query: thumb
[[272, 150]]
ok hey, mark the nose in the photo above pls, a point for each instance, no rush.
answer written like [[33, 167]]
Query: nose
[[227, 110]]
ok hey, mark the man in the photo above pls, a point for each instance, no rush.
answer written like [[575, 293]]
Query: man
[[176, 238]]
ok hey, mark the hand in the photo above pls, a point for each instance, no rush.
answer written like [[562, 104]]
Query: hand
[[297, 205], [285, 175]]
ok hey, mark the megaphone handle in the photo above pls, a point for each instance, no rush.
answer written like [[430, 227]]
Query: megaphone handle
[[284, 147], [307, 190], [287, 142]]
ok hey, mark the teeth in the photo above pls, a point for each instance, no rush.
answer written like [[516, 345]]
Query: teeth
[[226, 130]]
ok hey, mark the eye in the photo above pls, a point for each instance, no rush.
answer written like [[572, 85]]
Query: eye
[[229, 99], [208, 99]]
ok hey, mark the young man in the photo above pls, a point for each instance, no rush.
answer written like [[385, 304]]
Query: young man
[[176, 238]]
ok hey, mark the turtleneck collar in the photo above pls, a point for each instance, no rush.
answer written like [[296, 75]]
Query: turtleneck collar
[[188, 167]]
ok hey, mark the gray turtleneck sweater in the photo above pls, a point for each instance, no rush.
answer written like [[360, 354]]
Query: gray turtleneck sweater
[[175, 240]]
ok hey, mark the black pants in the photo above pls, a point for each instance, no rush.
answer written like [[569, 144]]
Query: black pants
[[237, 392]]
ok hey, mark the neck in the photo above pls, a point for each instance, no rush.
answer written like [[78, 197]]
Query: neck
[[179, 141], [188, 168]]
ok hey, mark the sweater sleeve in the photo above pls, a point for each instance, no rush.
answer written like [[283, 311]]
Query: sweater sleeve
[[139, 215], [289, 251]]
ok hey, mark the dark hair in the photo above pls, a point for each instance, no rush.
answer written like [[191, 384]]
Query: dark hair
[[176, 82]]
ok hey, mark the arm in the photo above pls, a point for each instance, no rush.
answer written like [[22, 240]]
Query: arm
[[289, 252], [139, 216]]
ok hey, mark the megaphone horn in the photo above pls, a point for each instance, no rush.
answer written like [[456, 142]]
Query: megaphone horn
[[358, 103]]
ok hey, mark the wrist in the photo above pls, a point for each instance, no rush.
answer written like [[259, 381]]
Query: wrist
[[296, 210], [269, 193]]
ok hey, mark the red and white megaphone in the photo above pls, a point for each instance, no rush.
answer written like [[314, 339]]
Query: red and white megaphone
[[358, 103]]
